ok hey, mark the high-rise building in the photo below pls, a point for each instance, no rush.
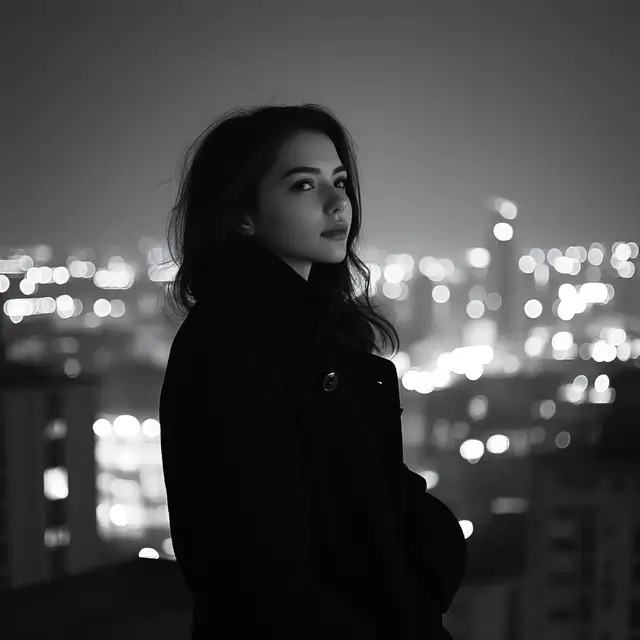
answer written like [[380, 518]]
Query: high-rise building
[[48, 527], [503, 270], [421, 292], [567, 567], [583, 575]]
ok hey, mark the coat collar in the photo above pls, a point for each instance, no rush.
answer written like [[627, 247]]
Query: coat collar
[[299, 314], [247, 281]]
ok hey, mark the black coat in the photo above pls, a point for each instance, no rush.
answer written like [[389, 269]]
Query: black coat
[[292, 513]]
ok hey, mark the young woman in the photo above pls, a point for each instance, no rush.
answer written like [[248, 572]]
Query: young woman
[[292, 513]]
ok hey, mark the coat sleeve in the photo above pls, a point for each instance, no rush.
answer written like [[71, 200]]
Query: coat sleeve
[[238, 507], [434, 540]]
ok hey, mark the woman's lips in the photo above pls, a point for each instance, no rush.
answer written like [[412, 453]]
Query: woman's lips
[[335, 235]]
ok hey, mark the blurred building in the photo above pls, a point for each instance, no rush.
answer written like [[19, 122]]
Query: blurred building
[[120, 340], [502, 272], [487, 606], [47, 466], [554, 528], [569, 567], [583, 565], [423, 311], [131, 502]]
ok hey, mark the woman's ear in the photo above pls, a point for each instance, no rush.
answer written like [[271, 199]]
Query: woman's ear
[[246, 227]]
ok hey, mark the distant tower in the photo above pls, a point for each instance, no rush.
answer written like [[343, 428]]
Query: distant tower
[[423, 306], [3, 337], [502, 271]]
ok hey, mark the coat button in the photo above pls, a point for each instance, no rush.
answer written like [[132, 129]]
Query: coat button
[[330, 382]]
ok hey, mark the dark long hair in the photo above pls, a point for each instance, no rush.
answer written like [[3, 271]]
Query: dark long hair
[[219, 183]]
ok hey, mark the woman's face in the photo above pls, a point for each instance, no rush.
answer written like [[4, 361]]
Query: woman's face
[[295, 208]]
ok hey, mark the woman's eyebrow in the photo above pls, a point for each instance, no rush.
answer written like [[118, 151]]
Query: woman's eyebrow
[[310, 170]]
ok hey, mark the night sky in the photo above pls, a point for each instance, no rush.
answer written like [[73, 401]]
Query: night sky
[[448, 105]]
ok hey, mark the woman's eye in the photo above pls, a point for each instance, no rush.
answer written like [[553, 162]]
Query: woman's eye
[[301, 182]]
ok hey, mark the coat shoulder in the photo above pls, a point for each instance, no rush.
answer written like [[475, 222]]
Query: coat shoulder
[[207, 333]]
